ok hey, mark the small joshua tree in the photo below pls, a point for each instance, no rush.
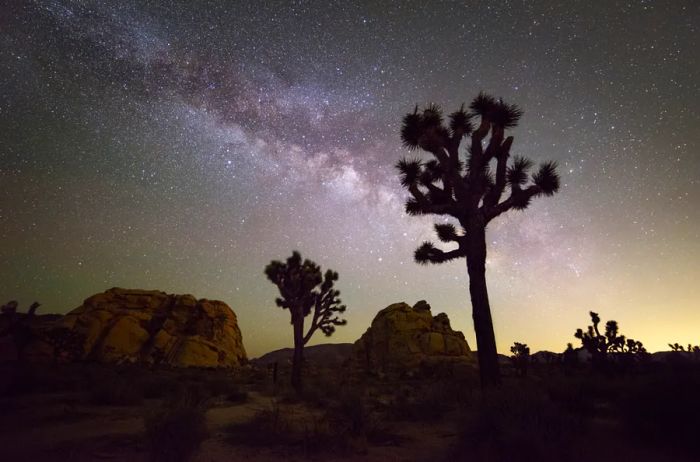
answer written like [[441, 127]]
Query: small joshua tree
[[520, 358], [19, 325], [304, 289], [460, 183], [677, 347], [9, 308], [569, 358], [601, 346], [694, 351]]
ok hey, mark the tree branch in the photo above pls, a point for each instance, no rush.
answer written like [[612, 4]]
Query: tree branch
[[501, 168], [516, 198], [428, 253], [427, 207]]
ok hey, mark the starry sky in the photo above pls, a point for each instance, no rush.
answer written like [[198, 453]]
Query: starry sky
[[182, 146]]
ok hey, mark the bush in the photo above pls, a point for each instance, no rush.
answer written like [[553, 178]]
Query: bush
[[25, 378], [664, 411], [269, 427], [176, 430], [236, 395], [115, 392], [157, 387], [517, 425], [428, 401]]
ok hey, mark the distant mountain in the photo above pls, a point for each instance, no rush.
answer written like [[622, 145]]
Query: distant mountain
[[326, 354]]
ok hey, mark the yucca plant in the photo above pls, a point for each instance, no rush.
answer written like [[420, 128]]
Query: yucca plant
[[305, 290], [461, 184], [520, 357]]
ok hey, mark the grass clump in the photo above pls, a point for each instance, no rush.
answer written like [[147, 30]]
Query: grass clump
[[517, 424], [176, 430], [269, 427], [115, 392]]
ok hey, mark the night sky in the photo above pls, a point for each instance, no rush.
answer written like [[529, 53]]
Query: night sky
[[183, 146]]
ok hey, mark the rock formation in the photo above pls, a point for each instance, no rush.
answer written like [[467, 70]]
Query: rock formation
[[147, 327], [404, 339]]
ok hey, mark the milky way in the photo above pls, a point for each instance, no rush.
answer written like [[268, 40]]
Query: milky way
[[183, 146]]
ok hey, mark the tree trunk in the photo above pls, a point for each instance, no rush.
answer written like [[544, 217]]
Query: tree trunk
[[481, 311], [298, 358]]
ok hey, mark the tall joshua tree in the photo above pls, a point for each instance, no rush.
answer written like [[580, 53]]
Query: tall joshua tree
[[460, 183], [304, 289]]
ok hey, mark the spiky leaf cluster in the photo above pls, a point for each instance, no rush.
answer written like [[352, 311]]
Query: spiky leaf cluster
[[467, 183]]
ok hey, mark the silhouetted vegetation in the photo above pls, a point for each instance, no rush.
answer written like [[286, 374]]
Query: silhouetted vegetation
[[463, 184], [18, 325], [549, 407], [695, 350], [304, 289], [115, 391], [177, 429], [517, 424], [611, 345], [569, 359], [520, 358]]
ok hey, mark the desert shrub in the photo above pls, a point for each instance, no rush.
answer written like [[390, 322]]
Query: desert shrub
[[115, 392], [346, 427], [352, 410], [430, 400], [322, 389], [158, 386], [268, 427], [237, 395], [177, 429], [27, 378], [517, 424], [355, 422], [19, 379], [216, 385], [429, 403], [579, 395], [663, 410]]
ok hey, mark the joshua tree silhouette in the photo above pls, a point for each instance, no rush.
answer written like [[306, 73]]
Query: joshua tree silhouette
[[520, 357], [600, 346], [459, 183], [19, 325], [303, 288]]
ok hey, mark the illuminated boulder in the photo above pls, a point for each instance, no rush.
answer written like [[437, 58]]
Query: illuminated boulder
[[405, 339], [148, 327]]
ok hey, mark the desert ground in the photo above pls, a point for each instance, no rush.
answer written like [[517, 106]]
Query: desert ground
[[83, 412]]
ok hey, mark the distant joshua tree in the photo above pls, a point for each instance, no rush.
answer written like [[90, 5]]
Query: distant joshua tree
[[460, 183], [569, 358], [694, 351], [520, 358], [304, 289], [601, 346], [19, 325], [679, 347]]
